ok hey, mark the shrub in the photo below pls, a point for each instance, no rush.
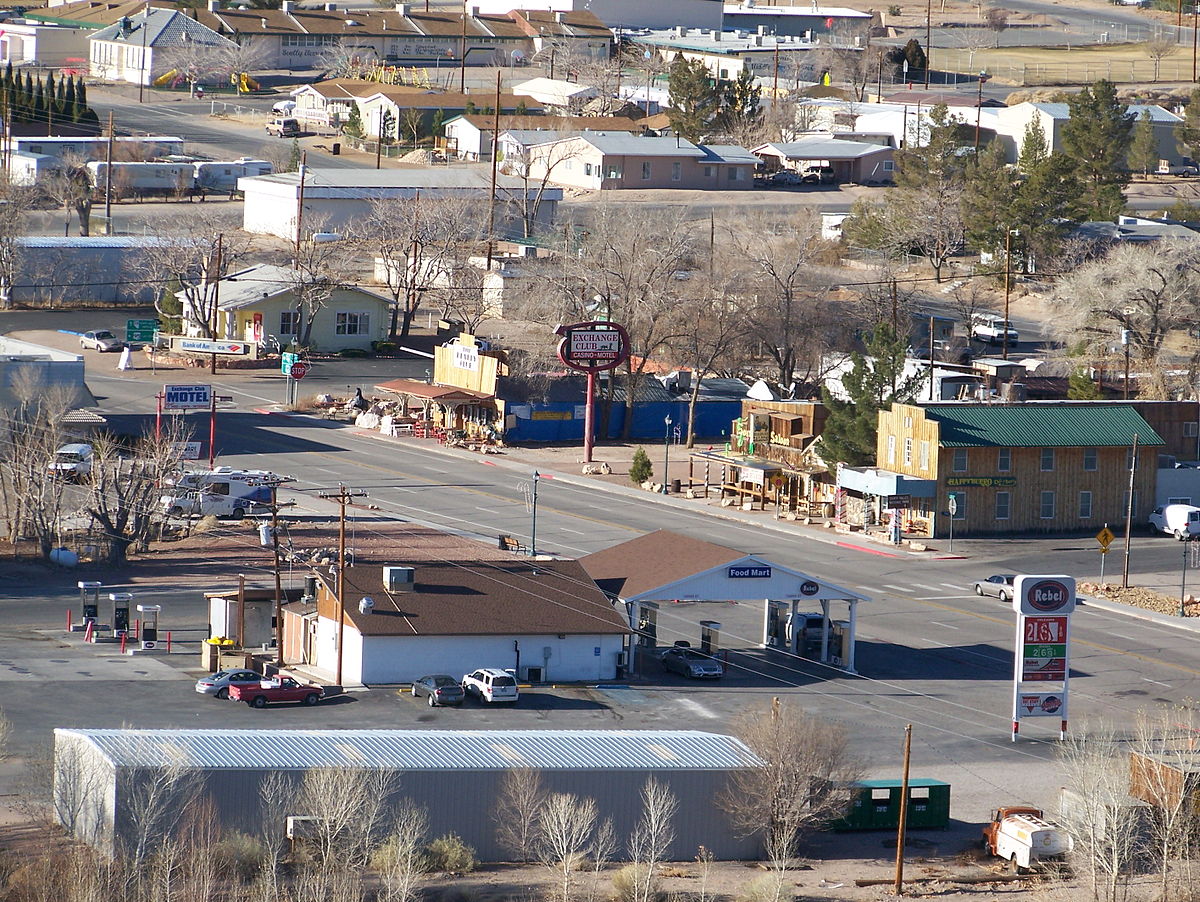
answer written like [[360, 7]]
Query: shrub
[[766, 888], [238, 855], [628, 884], [893, 10], [640, 470], [352, 352], [385, 347], [449, 854]]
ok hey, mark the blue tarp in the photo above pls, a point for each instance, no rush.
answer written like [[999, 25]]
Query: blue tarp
[[538, 422]]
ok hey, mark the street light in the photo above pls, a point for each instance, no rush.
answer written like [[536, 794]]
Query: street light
[[983, 76], [666, 451], [1008, 281]]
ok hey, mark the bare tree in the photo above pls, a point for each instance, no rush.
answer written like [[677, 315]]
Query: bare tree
[[518, 805], [804, 781], [195, 60], [244, 57], [349, 807], [348, 59], [70, 187], [996, 19], [121, 492], [154, 806], [415, 238], [565, 826], [16, 202], [535, 166], [30, 434], [1158, 50], [710, 327], [402, 863], [277, 796], [318, 270], [651, 838]]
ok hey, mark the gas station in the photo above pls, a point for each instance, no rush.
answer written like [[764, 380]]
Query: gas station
[[800, 613]]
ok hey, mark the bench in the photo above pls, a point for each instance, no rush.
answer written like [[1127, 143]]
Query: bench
[[508, 543]]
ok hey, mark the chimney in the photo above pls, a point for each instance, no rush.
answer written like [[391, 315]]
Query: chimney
[[214, 6], [402, 9], [716, 34], [330, 7], [474, 12], [560, 16], [287, 6]]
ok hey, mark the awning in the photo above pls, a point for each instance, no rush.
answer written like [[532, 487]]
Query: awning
[[443, 394], [875, 481]]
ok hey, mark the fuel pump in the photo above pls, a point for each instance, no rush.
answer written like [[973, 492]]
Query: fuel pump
[[89, 604], [149, 614], [120, 616]]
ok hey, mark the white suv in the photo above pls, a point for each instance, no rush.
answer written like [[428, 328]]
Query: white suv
[[491, 685]]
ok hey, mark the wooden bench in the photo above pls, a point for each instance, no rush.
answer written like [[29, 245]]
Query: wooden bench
[[508, 543]]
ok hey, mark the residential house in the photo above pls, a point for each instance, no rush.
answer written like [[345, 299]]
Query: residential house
[[604, 161], [335, 197], [624, 14], [137, 49], [853, 162], [50, 45], [469, 136], [553, 92], [263, 300], [1013, 468], [1012, 122], [385, 101]]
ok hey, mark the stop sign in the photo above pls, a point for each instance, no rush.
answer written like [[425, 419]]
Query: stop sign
[[299, 369]]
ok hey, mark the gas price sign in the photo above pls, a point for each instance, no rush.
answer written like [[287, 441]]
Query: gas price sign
[[1042, 654]]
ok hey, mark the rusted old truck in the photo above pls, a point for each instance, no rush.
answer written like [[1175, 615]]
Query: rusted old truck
[[1021, 836]]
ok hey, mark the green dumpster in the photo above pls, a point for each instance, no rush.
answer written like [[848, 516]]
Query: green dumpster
[[875, 805]]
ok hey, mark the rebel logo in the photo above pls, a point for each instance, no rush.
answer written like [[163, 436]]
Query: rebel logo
[[1048, 595]]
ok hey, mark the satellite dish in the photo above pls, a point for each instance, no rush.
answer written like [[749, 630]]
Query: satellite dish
[[760, 391]]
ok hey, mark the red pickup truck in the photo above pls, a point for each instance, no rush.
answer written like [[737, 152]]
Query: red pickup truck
[[278, 689]]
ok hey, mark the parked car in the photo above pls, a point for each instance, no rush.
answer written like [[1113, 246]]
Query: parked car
[[1179, 520], [1000, 585], [278, 689], [439, 689], [100, 340], [787, 177], [691, 663], [991, 329], [817, 175], [284, 127], [73, 461], [218, 683], [491, 685]]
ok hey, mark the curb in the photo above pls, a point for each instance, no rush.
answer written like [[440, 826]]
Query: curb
[[1192, 624]]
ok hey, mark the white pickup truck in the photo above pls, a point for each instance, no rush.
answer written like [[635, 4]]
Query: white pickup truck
[[989, 328], [1021, 837]]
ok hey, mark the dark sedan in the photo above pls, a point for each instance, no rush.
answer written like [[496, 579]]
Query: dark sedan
[[439, 689]]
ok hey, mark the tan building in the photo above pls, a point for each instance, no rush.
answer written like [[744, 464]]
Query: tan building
[[605, 161], [1013, 469]]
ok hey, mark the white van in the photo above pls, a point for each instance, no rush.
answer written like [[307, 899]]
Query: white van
[[252, 485], [72, 461], [1179, 520], [205, 504]]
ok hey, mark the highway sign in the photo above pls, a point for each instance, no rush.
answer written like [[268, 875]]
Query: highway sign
[[286, 359], [1105, 538], [187, 397], [140, 329], [299, 369]]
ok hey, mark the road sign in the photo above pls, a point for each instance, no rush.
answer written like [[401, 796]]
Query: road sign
[[286, 359], [899, 502], [1105, 538], [953, 506], [299, 369], [187, 397], [140, 329]]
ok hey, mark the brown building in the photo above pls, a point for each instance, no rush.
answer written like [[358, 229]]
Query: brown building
[[1013, 469]]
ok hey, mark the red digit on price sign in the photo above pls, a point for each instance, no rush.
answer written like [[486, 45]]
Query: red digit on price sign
[[1046, 629]]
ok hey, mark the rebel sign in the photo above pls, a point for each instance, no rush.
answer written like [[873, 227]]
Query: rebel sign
[[1034, 595]]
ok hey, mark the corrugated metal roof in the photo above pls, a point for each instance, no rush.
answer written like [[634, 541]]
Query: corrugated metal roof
[[1027, 426], [416, 750]]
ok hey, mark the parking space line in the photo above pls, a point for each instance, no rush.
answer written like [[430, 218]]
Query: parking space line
[[951, 585], [894, 588], [1156, 682], [946, 625]]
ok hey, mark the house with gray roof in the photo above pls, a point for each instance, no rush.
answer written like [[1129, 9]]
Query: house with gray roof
[[857, 162], [610, 161], [138, 49], [1011, 123]]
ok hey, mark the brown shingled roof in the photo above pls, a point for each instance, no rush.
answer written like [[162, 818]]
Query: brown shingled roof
[[654, 560]]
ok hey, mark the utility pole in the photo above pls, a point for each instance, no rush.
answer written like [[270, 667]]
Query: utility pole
[[342, 496], [492, 195], [278, 586], [928, 39], [300, 204], [1133, 456], [1007, 283], [215, 281], [144, 74], [462, 54], [108, 164], [899, 887]]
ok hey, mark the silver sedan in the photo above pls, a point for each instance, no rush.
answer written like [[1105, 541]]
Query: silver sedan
[[999, 585], [101, 340]]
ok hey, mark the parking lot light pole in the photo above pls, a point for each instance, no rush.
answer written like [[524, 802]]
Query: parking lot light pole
[[666, 452], [1183, 576]]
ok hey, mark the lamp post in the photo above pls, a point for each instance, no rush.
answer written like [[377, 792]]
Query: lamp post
[[1183, 580], [983, 76], [666, 451], [1125, 335]]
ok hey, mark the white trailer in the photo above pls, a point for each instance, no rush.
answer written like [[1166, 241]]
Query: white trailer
[[143, 178], [223, 176], [28, 168]]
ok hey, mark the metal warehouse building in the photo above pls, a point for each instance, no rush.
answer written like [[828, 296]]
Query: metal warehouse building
[[456, 776]]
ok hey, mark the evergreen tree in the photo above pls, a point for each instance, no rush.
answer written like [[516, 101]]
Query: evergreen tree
[[81, 95], [1034, 148], [1096, 138], [51, 90], [875, 380], [1143, 146], [354, 124], [387, 127], [293, 163], [989, 196], [694, 99], [1050, 194], [914, 55], [470, 109], [38, 107], [1189, 132], [1081, 387], [71, 108], [522, 109], [640, 468], [437, 127], [740, 101]]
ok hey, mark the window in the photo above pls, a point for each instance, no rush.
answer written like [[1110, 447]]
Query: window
[[908, 452], [1180, 500], [1191, 430], [676, 171], [614, 172], [708, 171], [587, 168], [924, 455], [1089, 459], [1085, 505], [645, 170], [1047, 460], [889, 165], [908, 422], [735, 174], [959, 464], [960, 505], [1003, 505], [891, 449], [353, 324], [1004, 460], [289, 323], [1046, 511]]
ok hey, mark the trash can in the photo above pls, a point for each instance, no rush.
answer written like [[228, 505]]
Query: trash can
[[337, 148], [675, 486]]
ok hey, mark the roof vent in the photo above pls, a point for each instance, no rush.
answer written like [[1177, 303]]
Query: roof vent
[[366, 605], [399, 579], [402, 9], [560, 16], [287, 6]]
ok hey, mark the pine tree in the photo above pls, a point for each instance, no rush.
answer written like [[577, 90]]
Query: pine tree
[[640, 468], [874, 382], [293, 163], [1143, 147], [914, 55], [522, 109], [1096, 138], [437, 128], [38, 107], [694, 99], [51, 96], [740, 101], [1049, 197], [1082, 387], [81, 95], [354, 123], [989, 195], [70, 103], [1034, 148], [1189, 132]]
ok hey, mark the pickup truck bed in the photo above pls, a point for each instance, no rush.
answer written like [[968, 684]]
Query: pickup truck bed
[[280, 690]]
